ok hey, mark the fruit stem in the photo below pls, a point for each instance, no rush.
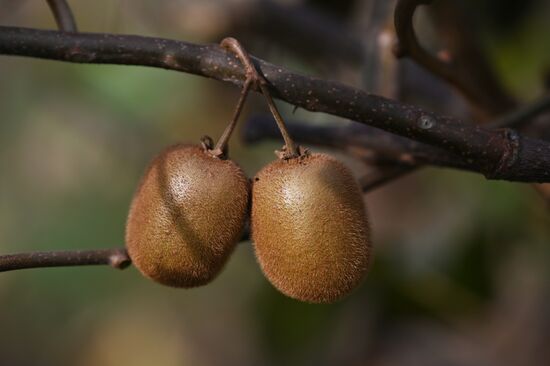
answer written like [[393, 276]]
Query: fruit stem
[[220, 149], [290, 149]]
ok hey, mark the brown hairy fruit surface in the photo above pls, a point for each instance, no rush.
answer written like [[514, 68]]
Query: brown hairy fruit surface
[[310, 228], [186, 216]]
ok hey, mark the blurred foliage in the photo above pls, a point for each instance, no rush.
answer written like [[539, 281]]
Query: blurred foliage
[[461, 269]]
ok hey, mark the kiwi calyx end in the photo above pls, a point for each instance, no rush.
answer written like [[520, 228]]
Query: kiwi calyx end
[[286, 154], [207, 145]]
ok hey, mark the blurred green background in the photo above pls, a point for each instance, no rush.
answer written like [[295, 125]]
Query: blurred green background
[[461, 273]]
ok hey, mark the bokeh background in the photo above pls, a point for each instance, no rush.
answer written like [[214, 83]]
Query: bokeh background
[[461, 274]]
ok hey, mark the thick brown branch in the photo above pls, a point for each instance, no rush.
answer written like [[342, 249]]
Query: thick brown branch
[[498, 154], [63, 15], [116, 258]]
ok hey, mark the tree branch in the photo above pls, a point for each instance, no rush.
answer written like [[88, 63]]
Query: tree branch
[[116, 258], [498, 154]]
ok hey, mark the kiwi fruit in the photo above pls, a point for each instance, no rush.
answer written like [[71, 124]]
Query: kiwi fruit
[[310, 228], [186, 216]]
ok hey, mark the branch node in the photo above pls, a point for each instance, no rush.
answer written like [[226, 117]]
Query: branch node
[[510, 147]]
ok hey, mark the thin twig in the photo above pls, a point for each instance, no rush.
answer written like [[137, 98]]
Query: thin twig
[[382, 176], [369, 144], [498, 154], [116, 258], [523, 115], [389, 156], [63, 15], [220, 149]]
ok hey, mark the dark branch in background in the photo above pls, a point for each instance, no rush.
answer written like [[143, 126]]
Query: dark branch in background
[[523, 115], [383, 175], [469, 72], [63, 15], [498, 154], [371, 145], [389, 156], [300, 29], [116, 258]]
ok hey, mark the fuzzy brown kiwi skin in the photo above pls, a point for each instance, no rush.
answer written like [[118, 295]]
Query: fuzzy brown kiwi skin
[[310, 228], [186, 216]]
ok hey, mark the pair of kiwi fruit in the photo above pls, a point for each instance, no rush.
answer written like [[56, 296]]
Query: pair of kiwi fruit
[[308, 220]]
